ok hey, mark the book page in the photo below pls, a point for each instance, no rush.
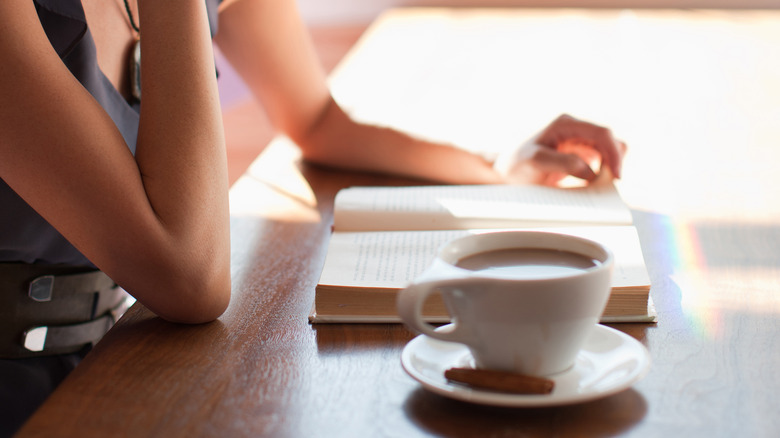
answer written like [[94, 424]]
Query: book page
[[393, 259], [477, 206], [382, 259]]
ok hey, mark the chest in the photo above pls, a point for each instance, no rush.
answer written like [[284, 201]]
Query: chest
[[110, 27]]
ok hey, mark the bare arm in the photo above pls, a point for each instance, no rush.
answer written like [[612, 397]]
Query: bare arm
[[157, 223], [268, 45]]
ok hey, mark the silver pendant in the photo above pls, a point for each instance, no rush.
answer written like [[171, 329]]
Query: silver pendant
[[135, 70]]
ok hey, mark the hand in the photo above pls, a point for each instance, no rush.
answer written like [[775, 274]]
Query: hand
[[567, 146]]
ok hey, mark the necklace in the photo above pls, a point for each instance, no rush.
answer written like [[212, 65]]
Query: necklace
[[135, 57]]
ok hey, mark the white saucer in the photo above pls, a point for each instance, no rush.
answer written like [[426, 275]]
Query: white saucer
[[610, 362]]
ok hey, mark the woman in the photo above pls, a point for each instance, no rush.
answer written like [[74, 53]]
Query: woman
[[103, 183]]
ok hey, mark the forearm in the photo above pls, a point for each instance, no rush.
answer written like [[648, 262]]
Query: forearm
[[267, 44], [180, 148], [338, 141]]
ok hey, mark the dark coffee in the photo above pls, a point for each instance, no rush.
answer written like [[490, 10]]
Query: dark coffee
[[527, 262]]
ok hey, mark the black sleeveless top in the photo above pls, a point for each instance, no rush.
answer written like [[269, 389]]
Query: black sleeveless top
[[24, 235]]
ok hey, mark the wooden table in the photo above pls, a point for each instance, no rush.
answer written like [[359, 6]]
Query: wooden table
[[696, 96]]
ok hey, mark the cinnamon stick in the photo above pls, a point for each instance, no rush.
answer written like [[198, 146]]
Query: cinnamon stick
[[502, 381]]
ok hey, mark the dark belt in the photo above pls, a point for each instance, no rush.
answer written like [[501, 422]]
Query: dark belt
[[54, 309]]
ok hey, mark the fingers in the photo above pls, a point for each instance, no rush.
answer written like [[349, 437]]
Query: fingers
[[567, 146], [567, 129], [557, 165]]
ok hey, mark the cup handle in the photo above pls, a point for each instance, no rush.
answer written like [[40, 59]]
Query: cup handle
[[410, 302]]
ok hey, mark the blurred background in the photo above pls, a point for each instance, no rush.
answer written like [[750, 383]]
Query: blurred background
[[334, 12]]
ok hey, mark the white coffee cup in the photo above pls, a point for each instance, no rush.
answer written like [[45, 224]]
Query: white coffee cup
[[527, 317]]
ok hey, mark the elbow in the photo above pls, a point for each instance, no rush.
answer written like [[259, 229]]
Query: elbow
[[191, 297], [208, 311], [202, 300], [199, 283], [181, 273], [316, 138]]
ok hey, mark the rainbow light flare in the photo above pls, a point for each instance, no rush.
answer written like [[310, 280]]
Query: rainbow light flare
[[690, 273]]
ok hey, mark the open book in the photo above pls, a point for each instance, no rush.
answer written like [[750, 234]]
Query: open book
[[386, 236]]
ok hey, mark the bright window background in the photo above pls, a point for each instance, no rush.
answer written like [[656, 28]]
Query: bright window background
[[327, 12]]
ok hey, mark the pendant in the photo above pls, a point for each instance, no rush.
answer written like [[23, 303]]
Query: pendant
[[135, 70]]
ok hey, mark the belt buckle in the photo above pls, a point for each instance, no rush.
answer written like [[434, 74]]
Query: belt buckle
[[41, 288], [35, 338]]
